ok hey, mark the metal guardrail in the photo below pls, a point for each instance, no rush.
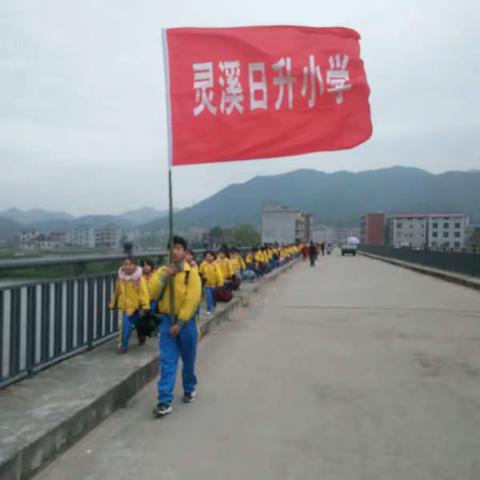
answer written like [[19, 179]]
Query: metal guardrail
[[459, 262], [43, 322], [24, 263]]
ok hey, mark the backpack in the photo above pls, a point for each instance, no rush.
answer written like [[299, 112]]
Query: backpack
[[147, 324], [223, 295], [234, 283]]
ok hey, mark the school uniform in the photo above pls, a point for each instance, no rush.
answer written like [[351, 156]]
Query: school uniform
[[130, 296], [226, 268], [153, 303], [187, 289], [213, 278]]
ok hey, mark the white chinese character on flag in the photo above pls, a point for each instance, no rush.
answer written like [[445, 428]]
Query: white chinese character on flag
[[337, 76], [282, 79], [259, 85], [311, 76], [203, 85], [232, 94]]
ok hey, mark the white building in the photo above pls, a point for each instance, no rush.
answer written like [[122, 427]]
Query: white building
[[83, 236], [284, 225], [432, 230], [340, 234], [322, 233], [108, 237], [197, 233], [28, 238], [44, 242], [448, 230]]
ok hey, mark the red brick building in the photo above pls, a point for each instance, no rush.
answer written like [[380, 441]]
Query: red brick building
[[372, 229]]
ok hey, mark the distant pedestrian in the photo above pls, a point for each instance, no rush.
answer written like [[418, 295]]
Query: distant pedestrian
[[212, 277], [190, 259], [312, 253], [131, 298], [322, 246], [148, 269], [305, 251]]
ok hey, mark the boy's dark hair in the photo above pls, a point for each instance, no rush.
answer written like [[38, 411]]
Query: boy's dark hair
[[147, 261], [211, 252], [190, 251], [130, 259], [177, 240], [224, 250]]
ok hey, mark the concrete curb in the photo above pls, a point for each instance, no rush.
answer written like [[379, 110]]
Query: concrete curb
[[440, 274], [26, 460]]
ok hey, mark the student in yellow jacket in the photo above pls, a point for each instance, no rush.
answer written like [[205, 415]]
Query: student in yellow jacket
[[238, 264], [225, 265], [148, 271], [190, 259], [178, 329], [212, 276], [131, 298]]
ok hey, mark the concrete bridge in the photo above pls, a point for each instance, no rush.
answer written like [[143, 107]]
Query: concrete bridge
[[355, 369]]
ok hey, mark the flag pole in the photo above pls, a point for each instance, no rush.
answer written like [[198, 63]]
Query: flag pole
[[170, 187]]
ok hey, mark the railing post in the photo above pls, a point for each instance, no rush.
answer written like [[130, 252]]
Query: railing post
[[31, 330], [80, 312], [57, 319], [14, 361], [69, 316], [45, 324], [1, 334], [90, 312], [99, 310]]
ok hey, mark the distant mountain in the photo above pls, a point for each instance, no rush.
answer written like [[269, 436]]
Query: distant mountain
[[94, 221], [46, 222], [27, 217], [143, 215], [340, 198], [9, 229]]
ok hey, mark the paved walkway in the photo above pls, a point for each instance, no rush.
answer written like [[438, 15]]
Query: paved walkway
[[353, 370]]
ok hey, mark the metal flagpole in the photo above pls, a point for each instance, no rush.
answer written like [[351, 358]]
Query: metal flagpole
[[170, 188]]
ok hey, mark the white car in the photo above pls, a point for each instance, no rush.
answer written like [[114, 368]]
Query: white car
[[350, 246]]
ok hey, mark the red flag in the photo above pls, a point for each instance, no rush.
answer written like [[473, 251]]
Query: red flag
[[258, 92]]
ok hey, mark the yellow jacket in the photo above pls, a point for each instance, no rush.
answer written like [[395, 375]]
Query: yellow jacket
[[148, 278], [129, 297], [211, 274], [238, 263], [187, 288], [226, 268]]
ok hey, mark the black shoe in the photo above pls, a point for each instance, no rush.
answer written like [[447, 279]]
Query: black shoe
[[189, 397], [162, 409]]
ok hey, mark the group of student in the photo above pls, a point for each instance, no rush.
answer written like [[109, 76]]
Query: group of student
[[144, 296]]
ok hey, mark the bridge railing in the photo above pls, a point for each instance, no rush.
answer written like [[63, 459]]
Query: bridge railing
[[43, 322], [459, 262]]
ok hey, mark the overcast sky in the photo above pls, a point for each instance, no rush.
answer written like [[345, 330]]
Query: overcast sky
[[82, 119]]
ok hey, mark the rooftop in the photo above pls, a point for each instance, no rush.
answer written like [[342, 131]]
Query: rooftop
[[429, 214]]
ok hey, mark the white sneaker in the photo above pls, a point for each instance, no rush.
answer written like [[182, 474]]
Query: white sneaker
[[208, 314], [189, 397]]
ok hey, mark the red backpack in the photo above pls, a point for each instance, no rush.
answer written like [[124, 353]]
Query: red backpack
[[223, 295]]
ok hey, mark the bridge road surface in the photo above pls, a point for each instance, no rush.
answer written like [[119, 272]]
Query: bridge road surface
[[353, 370]]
